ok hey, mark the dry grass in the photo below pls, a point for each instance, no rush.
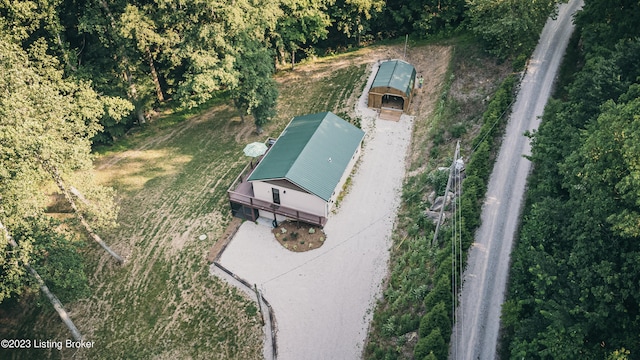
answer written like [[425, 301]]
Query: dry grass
[[457, 103], [171, 187]]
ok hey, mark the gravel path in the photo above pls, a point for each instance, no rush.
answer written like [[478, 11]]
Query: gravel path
[[476, 332], [323, 299]]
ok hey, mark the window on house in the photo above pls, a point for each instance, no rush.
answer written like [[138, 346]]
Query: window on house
[[276, 195]]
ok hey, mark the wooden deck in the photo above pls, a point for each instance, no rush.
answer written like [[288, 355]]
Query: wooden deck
[[241, 192], [294, 214]]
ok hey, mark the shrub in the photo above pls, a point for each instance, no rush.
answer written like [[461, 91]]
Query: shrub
[[479, 165], [496, 110], [438, 180], [408, 322], [432, 343], [431, 356], [458, 130], [440, 293], [438, 137], [436, 318], [434, 152]]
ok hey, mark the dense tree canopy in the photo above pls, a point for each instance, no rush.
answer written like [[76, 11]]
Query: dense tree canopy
[[575, 290], [512, 26], [46, 122], [141, 54]]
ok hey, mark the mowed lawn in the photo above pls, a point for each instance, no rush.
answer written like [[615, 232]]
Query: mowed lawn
[[171, 179]]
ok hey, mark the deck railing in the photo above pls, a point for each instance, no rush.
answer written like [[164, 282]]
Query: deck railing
[[238, 193], [243, 176], [254, 203]]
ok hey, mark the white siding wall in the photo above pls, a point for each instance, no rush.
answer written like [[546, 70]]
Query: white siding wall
[[291, 198], [269, 215], [344, 178]]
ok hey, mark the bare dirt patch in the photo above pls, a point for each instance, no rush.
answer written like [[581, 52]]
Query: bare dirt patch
[[298, 237]]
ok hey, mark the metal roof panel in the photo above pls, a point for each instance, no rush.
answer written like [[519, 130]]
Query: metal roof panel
[[396, 74], [312, 152]]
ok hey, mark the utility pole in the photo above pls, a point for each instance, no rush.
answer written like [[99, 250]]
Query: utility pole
[[446, 191], [406, 40]]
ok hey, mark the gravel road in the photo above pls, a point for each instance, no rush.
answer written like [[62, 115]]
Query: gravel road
[[476, 331]]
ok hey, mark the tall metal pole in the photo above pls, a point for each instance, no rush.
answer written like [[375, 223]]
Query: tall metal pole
[[446, 191], [406, 40]]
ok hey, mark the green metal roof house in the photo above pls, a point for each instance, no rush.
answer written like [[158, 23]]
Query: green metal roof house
[[303, 172], [393, 85]]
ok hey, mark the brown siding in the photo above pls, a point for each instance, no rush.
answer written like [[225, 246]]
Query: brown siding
[[375, 97]]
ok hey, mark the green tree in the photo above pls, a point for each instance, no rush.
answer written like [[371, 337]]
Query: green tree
[[351, 17], [509, 27], [256, 92], [441, 292], [46, 126], [303, 23], [102, 21], [601, 21], [55, 258], [621, 354], [139, 28], [431, 344], [64, 316], [607, 166], [418, 17], [436, 16], [211, 40], [436, 318]]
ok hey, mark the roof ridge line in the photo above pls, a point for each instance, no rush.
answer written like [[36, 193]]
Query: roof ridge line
[[395, 66], [307, 143]]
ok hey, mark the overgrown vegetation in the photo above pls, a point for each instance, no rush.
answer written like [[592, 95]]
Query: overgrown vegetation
[[574, 289], [414, 318], [171, 180], [142, 56], [125, 60]]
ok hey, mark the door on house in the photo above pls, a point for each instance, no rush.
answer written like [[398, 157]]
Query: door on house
[[276, 195]]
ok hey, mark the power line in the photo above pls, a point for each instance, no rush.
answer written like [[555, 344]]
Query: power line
[[446, 191], [456, 245]]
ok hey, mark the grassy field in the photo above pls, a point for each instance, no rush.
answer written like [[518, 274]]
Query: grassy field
[[171, 178]]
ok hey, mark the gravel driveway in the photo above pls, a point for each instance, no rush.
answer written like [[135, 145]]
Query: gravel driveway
[[323, 299]]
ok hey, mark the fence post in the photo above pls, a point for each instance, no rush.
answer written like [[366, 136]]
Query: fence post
[[255, 287]]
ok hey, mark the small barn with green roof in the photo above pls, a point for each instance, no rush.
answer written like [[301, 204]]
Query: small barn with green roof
[[302, 173], [393, 86]]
